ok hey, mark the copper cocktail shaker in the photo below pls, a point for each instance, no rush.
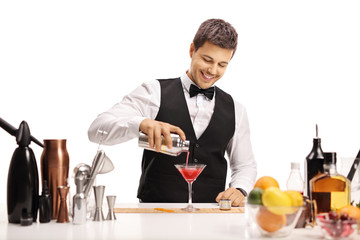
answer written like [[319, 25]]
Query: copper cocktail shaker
[[55, 169]]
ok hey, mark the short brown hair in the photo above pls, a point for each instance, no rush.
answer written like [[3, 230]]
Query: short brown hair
[[218, 32]]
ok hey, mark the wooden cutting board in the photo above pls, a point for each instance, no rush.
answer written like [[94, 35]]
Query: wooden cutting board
[[176, 210]]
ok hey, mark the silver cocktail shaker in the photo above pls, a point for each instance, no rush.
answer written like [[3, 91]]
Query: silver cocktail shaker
[[79, 199], [178, 147]]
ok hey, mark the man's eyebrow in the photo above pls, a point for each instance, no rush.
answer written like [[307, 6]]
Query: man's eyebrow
[[224, 62], [207, 56]]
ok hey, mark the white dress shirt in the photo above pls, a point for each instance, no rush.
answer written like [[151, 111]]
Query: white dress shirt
[[122, 122]]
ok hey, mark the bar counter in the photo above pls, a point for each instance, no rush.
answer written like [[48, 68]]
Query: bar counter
[[161, 225]]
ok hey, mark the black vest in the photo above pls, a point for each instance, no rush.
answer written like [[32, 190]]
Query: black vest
[[160, 180]]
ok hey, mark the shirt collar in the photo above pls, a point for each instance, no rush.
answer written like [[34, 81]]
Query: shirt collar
[[186, 81]]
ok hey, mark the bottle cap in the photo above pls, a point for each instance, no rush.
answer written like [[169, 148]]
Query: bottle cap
[[295, 165], [330, 158]]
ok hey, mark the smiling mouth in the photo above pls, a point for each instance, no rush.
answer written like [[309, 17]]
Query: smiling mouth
[[207, 77]]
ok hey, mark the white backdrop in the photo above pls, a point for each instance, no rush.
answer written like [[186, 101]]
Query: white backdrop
[[64, 62]]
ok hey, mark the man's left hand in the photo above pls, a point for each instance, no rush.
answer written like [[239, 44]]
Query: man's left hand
[[236, 197]]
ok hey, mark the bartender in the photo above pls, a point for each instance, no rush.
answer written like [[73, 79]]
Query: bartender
[[197, 110]]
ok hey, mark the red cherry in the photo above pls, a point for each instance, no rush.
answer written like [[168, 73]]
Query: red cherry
[[344, 216], [333, 215]]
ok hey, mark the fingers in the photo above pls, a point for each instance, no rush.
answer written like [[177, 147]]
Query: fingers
[[238, 202], [219, 196], [151, 139], [146, 126], [158, 139], [178, 131], [156, 129], [236, 197]]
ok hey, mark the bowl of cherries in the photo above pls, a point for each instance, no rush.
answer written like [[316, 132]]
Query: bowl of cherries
[[336, 226]]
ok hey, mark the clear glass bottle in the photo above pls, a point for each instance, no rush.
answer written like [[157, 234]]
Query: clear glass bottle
[[313, 163], [295, 181], [330, 190], [178, 147]]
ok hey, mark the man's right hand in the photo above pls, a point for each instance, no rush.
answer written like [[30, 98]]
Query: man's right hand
[[154, 129]]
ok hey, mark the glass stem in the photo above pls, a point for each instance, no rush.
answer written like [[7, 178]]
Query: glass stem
[[190, 192]]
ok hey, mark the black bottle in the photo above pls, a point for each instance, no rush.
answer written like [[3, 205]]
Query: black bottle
[[23, 179], [45, 204], [313, 163]]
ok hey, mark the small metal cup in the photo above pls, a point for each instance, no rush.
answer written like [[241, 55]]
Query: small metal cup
[[225, 204], [99, 196], [111, 202], [63, 215]]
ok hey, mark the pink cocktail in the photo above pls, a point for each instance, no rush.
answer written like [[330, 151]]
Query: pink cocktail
[[190, 172]]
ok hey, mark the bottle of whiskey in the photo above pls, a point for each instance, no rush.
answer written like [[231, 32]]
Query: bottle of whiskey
[[330, 190], [313, 163]]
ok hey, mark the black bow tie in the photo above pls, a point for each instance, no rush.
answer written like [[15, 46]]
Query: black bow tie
[[194, 90]]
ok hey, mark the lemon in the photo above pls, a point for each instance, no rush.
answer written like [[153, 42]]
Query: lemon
[[277, 201], [255, 196], [296, 200]]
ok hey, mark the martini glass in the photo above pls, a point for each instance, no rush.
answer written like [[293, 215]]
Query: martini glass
[[190, 172]]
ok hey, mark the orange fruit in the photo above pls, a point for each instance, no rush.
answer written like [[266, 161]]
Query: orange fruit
[[269, 221], [265, 182], [351, 210]]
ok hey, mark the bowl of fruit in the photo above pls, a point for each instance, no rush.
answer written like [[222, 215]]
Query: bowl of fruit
[[341, 224], [272, 212]]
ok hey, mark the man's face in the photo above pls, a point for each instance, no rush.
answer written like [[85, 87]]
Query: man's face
[[208, 64]]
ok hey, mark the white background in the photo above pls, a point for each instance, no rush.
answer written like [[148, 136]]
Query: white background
[[64, 62]]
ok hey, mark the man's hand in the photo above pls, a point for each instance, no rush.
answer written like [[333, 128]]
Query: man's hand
[[154, 129], [236, 197]]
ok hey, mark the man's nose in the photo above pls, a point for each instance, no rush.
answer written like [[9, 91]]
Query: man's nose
[[212, 69]]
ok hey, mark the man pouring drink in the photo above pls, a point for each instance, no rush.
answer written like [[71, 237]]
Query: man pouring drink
[[197, 110]]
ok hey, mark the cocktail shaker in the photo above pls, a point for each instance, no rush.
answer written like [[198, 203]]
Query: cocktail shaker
[[178, 147], [82, 172], [55, 169]]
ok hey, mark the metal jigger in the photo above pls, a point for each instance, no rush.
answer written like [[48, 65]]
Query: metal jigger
[[63, 215], [111, 203], [99, 196]]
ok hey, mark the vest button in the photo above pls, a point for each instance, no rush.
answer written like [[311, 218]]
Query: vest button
[[197, 145], [195, 160]]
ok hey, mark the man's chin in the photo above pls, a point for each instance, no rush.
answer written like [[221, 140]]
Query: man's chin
[[203, 83], [206, 84]]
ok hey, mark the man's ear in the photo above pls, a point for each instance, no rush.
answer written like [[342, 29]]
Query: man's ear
[[192, 49]]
